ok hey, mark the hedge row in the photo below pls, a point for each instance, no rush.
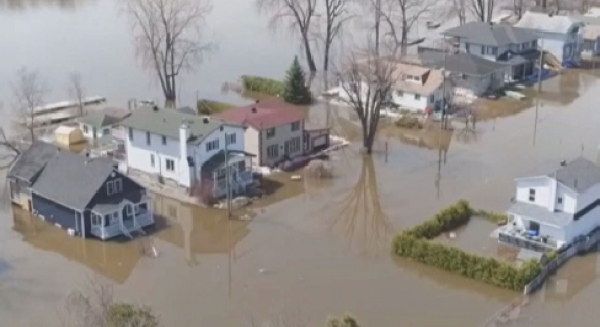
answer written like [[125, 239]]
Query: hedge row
[[415, 244], [495, 217], [262, 85]]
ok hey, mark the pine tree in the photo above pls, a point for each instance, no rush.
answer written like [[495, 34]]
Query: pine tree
[[294, 88]]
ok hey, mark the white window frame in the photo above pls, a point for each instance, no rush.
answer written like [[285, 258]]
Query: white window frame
[[167, 161], [275, 151], [96, 219], [114, 218], [270, 132], [295, 126], [118, 185], [129, 209], [230, 138], [110, 188], [136, 209]]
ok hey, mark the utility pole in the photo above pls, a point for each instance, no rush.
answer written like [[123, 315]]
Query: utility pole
[[539, 90], [227, 181], [443, 110]]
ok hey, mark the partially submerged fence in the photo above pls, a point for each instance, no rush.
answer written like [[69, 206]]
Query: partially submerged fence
[[582, 246]]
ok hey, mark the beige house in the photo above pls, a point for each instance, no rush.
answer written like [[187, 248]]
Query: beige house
[[275, 131]]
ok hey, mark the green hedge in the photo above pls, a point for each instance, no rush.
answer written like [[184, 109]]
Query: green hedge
[[495, 217], [415, 244], [209, 107], [262, 85]]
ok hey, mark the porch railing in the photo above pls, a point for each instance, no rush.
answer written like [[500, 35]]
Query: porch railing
[[115, 229], [530, 244]]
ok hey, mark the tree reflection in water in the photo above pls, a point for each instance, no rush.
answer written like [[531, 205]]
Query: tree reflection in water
[[361, 219]]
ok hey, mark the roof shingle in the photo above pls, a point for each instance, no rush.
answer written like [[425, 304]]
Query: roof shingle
[[32, 161], [263, 115], [579, 174]]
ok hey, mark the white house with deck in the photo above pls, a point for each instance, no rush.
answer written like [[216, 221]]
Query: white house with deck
[[551, 211], [187, 149]]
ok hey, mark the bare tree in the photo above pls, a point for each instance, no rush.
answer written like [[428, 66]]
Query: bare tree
[[336, 14], [169, 39], [96, 307], [483, 10], [76, 90], [28, 93], [459, 9], [518, 8], [299, 15], [9, 151], [401, 15], [366, 81]]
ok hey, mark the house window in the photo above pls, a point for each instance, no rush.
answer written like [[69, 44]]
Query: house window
[[96, 219], [137, 209], [212, 145], [130, 134], [152, 160], [532, 194], [492, 50], [106, 131], [230, 139], [560, 200], [164, 140], [170, 164], [273, 151], [534, 44], [295, 145], [295, 126], [148, 138], [431, 98], [110, 188], [85, 129], [114, 218], [417, 97], [129, 209], [482, 49], [467, 47], [118, 185], [270, 132]]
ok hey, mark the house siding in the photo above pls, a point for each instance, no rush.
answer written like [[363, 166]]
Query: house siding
[[283, 133], [129, 187], [54, 213], [406, 100], [541, 186], [252, 139], [139, 154], [199, 153], [569, 199]]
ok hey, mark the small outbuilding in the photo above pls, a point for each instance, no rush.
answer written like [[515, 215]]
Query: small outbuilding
[[67, 135]]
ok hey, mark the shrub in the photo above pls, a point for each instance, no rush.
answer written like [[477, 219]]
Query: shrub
[[414, 243], [410, 122], [208, 107], [262, 85], [495, 217]]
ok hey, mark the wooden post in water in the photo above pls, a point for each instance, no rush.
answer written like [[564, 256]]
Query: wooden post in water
[[539, 90]]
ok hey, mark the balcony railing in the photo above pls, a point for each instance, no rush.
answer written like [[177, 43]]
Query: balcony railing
[[515, 239]]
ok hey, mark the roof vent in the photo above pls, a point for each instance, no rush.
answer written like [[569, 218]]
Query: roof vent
[[253, 110], [155, 108], [563, 163], [205, 120]]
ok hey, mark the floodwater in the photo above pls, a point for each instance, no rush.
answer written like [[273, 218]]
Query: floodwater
[[313, 248]]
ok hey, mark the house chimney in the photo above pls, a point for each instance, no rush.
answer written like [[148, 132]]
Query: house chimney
[[253, 110], [563, 163]]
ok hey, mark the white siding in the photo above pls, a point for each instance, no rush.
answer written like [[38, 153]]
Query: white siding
[[139, 154], [283, 133], [588, 197], [541, 186], [252, 139], [569, 202], [406, 100], [583, 225]]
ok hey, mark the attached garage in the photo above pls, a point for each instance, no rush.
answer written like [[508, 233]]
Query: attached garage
[[316, 138], [66, 135]]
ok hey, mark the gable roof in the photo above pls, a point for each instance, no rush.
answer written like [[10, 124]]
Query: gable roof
[[431, 79], [168, 121], [71, 179], [492, 34], [463, 63], [32, 161], [263, 115], [579, 174], [547, 23], [105, 117]]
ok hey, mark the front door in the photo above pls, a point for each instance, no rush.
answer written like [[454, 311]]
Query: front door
[[128, 213]]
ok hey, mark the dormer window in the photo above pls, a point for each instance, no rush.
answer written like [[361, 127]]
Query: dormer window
[[532, 194], [114, 186]]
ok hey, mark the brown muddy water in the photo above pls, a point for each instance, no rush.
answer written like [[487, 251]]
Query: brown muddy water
[[313, 248]]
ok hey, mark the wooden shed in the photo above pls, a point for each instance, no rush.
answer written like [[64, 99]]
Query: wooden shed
[[66, 135]]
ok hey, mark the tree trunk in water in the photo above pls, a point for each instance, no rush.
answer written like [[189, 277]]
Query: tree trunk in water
[[309, 58], [170, 102], [326, 57]]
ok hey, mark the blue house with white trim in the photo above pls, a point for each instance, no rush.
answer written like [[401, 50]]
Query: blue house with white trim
[[87, 197]]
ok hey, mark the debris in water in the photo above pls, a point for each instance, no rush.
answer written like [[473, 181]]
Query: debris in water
[[296, 177], [452, 235]]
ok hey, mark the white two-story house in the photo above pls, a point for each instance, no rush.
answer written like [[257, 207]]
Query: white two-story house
[[190, 150], [557, 208], [561, 35], [516, 47]]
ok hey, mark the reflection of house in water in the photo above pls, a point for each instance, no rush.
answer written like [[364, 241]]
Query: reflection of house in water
[[572, 278], [197, 230], [432, 139], [113, 260]]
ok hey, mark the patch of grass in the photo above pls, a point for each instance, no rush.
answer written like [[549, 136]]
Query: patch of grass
[[209, 107], [262, 85]]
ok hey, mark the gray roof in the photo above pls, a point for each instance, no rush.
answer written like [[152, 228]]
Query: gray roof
[[579, 174], [540, 214], [32, 160], [68, 180], [187, 110], [463, 63], [105, 117], [168, 121], [492, 34]]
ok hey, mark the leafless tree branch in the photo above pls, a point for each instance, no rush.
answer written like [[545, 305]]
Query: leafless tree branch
[[169, 38], [76, 90], [483, 10], [400, 17], [28, 94]]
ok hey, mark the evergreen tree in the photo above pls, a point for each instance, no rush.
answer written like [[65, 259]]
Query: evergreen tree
[[294, 88]]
